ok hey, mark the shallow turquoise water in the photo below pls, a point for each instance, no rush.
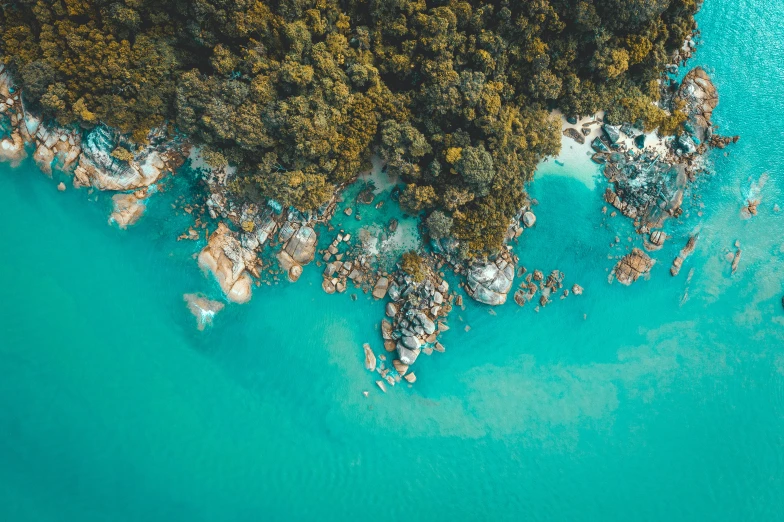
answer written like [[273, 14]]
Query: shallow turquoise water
[[621, 404]]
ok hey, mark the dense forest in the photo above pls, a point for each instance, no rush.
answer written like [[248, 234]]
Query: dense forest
[[453, 95]]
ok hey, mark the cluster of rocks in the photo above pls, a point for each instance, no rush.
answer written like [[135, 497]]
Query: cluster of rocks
[[358, 270], [416, 312], [682, 55], [299, 248], [536, 282], [631, 267], [24, 128], [647, 184]]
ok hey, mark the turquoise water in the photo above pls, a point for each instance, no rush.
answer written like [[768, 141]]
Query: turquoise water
[[620, 404]]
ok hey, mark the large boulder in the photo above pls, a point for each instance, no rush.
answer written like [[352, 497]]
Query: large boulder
[[406, 355], [632, 266], [380, 289], [301, 246], [613, 133], [490, 282], [227, 260], [128, 208], [427, 325]]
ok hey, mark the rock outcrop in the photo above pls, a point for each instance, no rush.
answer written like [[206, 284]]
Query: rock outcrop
[[700, 98], [99, 169], [380, 288], [229, 262], [370, 358], [490, 282], [12, 149], [684, 253], [633, 265], [128, 208], [299, 249]]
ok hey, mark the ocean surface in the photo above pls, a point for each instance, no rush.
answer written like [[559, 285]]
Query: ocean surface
[[660, 401]]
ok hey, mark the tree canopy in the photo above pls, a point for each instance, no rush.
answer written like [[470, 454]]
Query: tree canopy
[[454, 95]]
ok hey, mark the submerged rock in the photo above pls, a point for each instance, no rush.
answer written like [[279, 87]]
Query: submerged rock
[[400, 367], [202, 308], [736, 260]]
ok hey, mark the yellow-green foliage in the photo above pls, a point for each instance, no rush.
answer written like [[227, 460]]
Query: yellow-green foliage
[[122, 154], [413, 264], [453, 94]]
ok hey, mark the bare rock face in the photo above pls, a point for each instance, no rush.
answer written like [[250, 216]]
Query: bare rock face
[[43, 157], [701, 98], [370, 358], [294, 273], [202, 308], [299, 250], [228, 261], [99, 169], [632, 266], [12, 149], [380, 289], [490, 282], [128, 208], [684, 253], [302, 245]]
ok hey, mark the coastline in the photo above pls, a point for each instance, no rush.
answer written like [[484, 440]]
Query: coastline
[[238, 233]]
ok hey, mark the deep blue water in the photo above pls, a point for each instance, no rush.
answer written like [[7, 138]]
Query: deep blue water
[[621, 404]]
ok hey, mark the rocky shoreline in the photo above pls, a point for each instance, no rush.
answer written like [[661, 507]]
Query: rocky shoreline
[[646, 184]]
